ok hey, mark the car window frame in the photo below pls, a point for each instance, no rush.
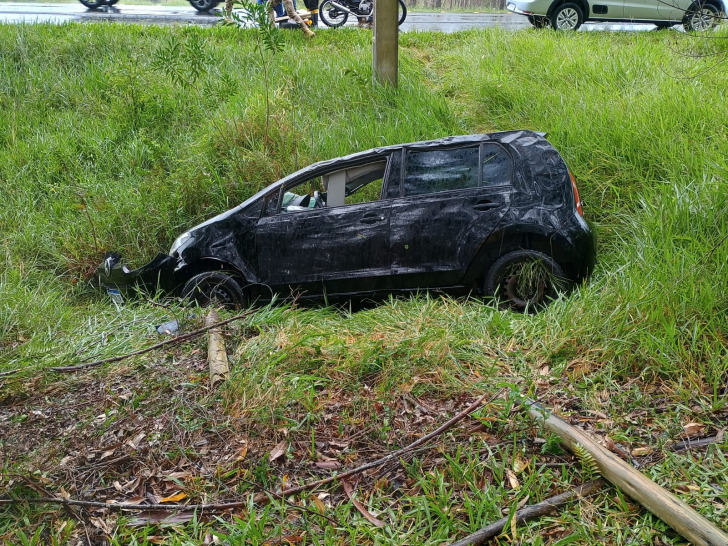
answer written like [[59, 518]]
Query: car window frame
[[326, 170], [480, 185]]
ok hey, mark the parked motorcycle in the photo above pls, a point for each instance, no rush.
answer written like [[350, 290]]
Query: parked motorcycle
[[336, 12], [199, 5]]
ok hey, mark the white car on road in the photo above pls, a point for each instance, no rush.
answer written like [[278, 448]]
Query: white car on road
[[570, 14]]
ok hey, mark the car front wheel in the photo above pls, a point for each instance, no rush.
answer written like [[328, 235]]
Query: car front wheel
[[700, 18], [567, 17], [214, 288], [525, 280]]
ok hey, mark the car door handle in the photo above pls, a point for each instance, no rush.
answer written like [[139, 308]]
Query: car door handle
[[485, 205], [372, 218]]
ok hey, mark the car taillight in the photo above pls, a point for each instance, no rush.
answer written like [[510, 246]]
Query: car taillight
[[577, 200]]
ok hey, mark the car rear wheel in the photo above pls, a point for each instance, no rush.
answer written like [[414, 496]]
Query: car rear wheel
[[539, 21], [214, 288], [525, 280], [567, 17], [700, 17]]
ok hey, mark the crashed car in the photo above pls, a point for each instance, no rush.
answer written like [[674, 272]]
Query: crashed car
[[496, 214]]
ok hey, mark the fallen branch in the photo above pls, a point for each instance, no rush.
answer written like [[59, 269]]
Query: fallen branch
[[693, 444], [9, 372], [260, 497], [178, 339], [663, 504], [530, 512]]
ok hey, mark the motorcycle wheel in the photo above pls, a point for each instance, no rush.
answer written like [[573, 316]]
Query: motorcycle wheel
[[92, 4], [402, 12], [331, 16], [203, 5]]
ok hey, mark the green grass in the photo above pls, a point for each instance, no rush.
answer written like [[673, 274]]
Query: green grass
[[99, 151]]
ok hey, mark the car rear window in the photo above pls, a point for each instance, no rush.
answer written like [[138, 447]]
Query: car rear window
[[434, 171]]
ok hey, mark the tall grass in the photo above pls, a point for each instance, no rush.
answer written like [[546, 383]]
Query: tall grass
[[99, 151]]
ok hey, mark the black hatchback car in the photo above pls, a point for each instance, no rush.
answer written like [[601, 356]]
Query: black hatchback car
[[497, 214]]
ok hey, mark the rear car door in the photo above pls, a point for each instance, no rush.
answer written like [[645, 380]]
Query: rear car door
[[342, 248], [645, 10], [450, 200]]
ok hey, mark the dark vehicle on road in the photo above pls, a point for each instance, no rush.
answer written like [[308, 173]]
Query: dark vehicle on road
[[496, 214], [336, 12], [199, 5]]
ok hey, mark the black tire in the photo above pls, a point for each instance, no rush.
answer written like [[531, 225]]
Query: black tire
[[402, 12], [331, 16], [506, 274], [539, 21], [92, 4], [214, 288], [700, 17], [567, 17], [204, 5]]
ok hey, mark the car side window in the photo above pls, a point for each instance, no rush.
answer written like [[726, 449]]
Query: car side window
[[271, 203], [497, 166], [350, 186], [254, 210], [394, 176], [435, 171]]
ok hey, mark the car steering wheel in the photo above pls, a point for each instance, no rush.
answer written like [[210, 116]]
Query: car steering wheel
[[318, 203]]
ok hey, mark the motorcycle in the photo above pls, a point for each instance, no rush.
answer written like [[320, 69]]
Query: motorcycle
[[199, 5], [336, 12]]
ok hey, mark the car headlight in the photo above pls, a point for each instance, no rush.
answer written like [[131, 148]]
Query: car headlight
[[179, 241]]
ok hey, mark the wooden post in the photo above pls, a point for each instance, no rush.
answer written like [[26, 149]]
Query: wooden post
[[216, 354], [666, 506], [385, 45]]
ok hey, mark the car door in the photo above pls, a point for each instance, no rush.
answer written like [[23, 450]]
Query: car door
[[607, 9], [451, 200], [645, 10], [338, 249]]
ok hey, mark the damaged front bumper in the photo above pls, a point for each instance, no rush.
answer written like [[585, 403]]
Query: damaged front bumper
[[118, 279]]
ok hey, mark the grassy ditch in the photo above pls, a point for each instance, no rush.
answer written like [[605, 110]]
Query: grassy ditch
[[100, 150]]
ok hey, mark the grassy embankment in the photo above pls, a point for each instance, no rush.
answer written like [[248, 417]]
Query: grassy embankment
[[100, 151]]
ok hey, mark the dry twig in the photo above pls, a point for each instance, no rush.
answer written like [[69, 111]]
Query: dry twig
[[530, 512]]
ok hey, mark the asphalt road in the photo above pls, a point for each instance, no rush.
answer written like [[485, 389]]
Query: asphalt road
[[165, 15]]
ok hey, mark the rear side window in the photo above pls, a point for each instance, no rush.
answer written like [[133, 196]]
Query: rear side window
[[497, 166], [456, 169], [440, 170]]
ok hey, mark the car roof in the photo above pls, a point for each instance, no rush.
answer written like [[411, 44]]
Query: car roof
[[506, 137]]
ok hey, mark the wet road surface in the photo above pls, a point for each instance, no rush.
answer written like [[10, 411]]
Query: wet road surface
[[165, 15]]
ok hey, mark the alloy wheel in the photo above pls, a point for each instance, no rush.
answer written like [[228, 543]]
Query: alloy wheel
[[567, 19], [702, 20]]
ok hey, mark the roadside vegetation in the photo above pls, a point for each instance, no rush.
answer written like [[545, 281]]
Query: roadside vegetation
[[101, 150]]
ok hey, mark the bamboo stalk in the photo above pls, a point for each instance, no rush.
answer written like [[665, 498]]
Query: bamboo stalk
[[663, 504]]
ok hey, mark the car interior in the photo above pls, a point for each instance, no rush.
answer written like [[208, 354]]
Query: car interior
[[358, 184]]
